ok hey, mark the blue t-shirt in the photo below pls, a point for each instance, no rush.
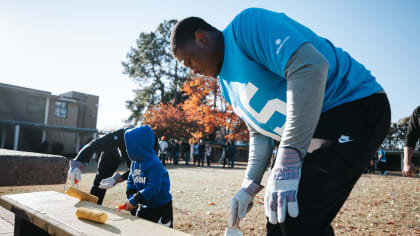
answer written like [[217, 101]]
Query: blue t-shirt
[[381, 152], [258, 45]]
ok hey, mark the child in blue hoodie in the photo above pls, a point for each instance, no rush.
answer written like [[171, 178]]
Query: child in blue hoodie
[[148, 182]]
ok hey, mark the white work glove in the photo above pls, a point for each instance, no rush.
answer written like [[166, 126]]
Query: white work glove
[[110, 182], [75, 174], [282, 186], [242, 202]]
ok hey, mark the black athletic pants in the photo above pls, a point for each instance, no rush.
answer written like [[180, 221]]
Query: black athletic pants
[[107, 165], [195, 156], [162, 158], [335, 162], [162, 215], [382, 167]]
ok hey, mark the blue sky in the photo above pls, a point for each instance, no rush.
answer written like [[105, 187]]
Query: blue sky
[[60, 46]]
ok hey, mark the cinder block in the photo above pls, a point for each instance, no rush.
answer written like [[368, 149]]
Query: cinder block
[[29, 168]]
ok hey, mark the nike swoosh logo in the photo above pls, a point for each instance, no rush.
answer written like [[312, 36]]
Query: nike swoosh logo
[[160, 222], [344, 139]]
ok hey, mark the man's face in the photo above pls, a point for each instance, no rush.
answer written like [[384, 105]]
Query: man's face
[[200, 55]]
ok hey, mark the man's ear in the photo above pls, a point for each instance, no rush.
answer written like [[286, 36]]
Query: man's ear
[[201, 37]]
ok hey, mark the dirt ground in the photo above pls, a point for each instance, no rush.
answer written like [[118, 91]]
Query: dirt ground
[[378, 205]]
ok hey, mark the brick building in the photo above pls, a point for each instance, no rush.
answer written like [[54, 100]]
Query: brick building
[[36, 120]]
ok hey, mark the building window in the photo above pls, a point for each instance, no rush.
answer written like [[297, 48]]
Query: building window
[[35, 104], [61, 109]]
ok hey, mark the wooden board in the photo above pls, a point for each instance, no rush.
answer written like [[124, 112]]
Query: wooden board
[[55, 213]]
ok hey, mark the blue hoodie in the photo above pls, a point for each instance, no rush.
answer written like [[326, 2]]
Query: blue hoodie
[[147, 174]]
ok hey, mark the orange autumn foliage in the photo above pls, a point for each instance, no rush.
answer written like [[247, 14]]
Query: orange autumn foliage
[[204, 114], [210, 112], [168, 120]]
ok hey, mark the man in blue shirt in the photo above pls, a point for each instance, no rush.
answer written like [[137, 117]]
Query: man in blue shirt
[[291, 85], [382, 161]]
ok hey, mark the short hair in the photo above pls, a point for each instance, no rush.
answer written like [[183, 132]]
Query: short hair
[[183, 31]]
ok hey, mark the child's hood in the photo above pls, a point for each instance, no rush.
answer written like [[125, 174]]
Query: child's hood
[[139, 143]]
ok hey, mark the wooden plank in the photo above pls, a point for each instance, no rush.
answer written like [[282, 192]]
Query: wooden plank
[[55, 213]]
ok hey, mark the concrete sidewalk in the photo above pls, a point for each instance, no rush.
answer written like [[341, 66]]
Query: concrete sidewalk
[[7, 221]]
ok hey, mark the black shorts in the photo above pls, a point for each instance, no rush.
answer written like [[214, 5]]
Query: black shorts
[[162, 215], [344, 141]]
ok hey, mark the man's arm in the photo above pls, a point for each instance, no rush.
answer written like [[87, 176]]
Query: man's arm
[[413, 134], [260, 149], [281, 48], [380, 155], [125, 175], [96, 145], [413, 131], [306, 74]]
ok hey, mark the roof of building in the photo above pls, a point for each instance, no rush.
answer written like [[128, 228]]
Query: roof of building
[[23, 89]]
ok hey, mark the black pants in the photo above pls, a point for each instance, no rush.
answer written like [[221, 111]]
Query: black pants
[[162, 215], [382, 167], [208, 160], [226, 159], [232, 161], [176, 158], [371, 167], [195, 156], [107, 165], [186, 157], [201, 159], [162, 158], [334, 164]]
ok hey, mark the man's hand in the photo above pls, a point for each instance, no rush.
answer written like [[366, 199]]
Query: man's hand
[[75, 172], [242, 202], [409, 169], [129, 206], [110, 182], [282, 186]]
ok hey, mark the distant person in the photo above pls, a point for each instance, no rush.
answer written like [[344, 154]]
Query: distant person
[[232, 153], [195, 153], [185, 147], [382, 165], [201, 152], [148, 185], [411, 138], [372, 165], [163, 150], [226, 158], [170, 151], [289, 84], [110, 146], [175, 151], [222, 155], [208, 154]]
